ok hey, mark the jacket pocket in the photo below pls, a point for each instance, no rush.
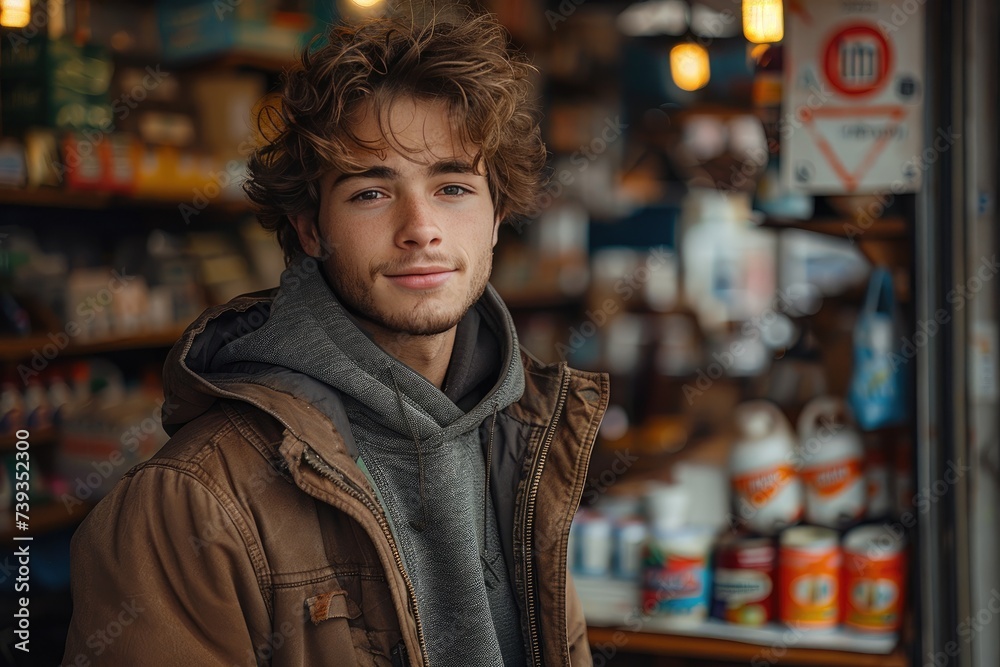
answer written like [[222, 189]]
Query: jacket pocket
[[332, 604], [340, 627]]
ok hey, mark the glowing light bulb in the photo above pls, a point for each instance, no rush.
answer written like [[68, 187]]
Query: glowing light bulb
[[366, 3], [15, 13], [763, 21], [689, 66]]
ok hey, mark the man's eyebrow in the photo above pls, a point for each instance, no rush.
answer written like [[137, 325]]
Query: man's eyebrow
[[371, 172], [436, 169], [451, 167]]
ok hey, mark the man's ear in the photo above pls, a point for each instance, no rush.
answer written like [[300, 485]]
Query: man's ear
[[306, 227], [496, 227]]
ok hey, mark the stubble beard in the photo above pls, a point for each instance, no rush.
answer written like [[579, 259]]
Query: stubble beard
[[355, 294]]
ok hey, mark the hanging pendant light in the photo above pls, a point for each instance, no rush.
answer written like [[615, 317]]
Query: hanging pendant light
[[763, 21], [15, 13], [689, 66]]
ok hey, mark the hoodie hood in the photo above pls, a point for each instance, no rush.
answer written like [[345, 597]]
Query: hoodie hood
[[307, 330], [246, 340]]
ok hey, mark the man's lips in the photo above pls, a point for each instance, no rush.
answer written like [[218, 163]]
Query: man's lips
[[421, 277]]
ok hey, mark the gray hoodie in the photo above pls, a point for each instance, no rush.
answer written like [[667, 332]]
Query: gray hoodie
[[424, 449]]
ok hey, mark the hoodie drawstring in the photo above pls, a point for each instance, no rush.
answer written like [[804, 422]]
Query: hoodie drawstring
[[486, 496], [420, 525]]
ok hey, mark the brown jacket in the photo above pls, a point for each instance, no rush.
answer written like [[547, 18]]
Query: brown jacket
[[253, 538]]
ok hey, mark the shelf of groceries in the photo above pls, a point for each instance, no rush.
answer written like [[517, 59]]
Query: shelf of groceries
[[725, 646], [799, 543], [613, 603]]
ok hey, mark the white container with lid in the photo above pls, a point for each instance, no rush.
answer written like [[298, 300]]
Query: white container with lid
[[832, 456], [767, 491]]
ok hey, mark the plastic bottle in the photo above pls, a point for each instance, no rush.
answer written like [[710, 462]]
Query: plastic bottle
[[767, 491]]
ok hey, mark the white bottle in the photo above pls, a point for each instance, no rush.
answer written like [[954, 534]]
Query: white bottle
[[832, 457], [767, 491]]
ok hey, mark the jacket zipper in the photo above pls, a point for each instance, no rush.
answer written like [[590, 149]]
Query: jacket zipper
[[529, 519], [328, 472]]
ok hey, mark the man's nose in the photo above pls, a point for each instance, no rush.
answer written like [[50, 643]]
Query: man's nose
[[417, 225]]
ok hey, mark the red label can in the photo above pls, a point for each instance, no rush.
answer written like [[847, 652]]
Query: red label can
[[809, 563], [874, 579], [744, 581]]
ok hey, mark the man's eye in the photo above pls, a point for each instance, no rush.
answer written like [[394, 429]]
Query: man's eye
[[367, 195], [454, 190]]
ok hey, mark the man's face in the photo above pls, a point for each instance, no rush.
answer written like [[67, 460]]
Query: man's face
[[410, 239]]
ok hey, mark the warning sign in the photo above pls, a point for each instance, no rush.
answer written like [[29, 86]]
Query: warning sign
[[853, 96]]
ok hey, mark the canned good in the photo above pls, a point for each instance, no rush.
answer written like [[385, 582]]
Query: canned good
[[676, 575], [809, 561], [874, 577], [744, 581], [630, 539]]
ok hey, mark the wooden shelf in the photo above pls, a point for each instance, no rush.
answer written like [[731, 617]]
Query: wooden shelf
[[249, 60], [58, 198], [45, 518], [892, 228], [681, 646], [16, 349]]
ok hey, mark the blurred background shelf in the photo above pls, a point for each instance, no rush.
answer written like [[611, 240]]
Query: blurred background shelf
[[734, 652], [78, 199], [15, 349]]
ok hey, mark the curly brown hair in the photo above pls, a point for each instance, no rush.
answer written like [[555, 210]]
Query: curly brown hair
[[468, 63]]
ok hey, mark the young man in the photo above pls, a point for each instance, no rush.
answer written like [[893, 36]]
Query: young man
[[364, 468]]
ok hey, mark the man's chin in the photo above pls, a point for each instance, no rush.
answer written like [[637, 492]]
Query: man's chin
[[426, 328]]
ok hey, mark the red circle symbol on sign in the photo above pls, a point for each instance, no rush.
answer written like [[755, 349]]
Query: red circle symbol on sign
[[857, 60]]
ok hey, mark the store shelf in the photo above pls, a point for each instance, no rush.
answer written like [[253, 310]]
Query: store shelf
[[58, 198], [248, 60], [16, 349], [45, 518], [891, 228], [37, 437], [611, 607], [686, 646]]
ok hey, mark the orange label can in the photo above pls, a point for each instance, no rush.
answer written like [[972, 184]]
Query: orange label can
[[874, 579], [809, 571]]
